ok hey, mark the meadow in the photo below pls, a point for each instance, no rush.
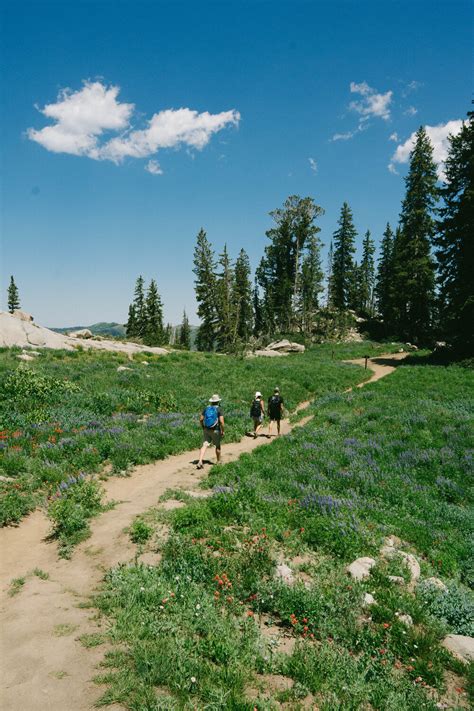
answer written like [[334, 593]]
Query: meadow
[[67, 416], [212, 627]]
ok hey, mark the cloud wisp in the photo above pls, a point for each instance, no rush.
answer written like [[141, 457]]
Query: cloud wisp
[[438, 136], [371, 105], [84, 119], [313, 165]]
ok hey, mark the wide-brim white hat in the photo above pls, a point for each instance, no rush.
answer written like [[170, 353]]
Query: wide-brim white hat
[[215, 398], [258, 394]]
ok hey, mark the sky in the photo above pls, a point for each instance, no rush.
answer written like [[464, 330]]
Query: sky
[[129, 125]]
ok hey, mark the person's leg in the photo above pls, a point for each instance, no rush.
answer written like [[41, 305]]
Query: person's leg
[[218, 454], [255, 425], [202, 452], [216, 439], [278, 426], [270, 427]]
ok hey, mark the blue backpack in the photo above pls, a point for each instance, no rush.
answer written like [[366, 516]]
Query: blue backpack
[[211, 416]]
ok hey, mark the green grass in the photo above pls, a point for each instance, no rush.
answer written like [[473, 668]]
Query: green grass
[[15, 586], [393, 458], [68, 413]]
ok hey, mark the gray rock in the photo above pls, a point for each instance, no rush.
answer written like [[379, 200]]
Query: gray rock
[[412, 564], [285, 346], [284, 573], [461, 646], [368, 600], [360, 568], [406, 619], [82, 333], [121, 368], [397, 579], [22, 315], [25, 356], [435, 583], [31, 353], [270, 354]]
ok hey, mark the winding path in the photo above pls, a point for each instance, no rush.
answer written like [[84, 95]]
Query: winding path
[[44, 666]]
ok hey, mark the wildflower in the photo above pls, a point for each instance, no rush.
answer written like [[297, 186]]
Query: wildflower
[[250, 613], [142, 589], [193, 680], [386, 625], [198, 606]]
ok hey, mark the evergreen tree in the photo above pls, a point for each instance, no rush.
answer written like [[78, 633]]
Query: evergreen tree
[[167, 334], [257, 310], [185, 333], [455, 241], [131, 325], [414, 276], [355, 289], [206, 293], [225, 334], [279, 272], [383, 288], [13, 296], [367, 276], [311, 284], [242, 297], [329, 277], [154, 334], [343, 264], [140, 308]]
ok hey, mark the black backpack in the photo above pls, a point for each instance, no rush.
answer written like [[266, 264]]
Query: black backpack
[[255, 410]]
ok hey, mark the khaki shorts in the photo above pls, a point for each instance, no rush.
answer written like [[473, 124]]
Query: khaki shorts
[[212, 436]]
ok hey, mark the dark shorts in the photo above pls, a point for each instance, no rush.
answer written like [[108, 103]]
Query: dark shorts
[[212, 436], [275, 416]]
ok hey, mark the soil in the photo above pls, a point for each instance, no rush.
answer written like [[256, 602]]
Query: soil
[[44, 664]]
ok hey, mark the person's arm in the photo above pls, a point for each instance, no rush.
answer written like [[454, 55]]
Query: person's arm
[[221, 423], [262, 406], [201, 420]]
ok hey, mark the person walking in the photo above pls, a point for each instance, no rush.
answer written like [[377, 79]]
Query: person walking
[[275, 410], [212, 423], [257, 413]]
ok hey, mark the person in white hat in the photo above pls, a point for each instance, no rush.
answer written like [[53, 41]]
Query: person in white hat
[[212, 423], [257, 413]]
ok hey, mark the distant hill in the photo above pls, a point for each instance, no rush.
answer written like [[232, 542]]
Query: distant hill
[[117, 330]]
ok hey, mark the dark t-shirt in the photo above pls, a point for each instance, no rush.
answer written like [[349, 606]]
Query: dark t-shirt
[[219, 415], [275, 403]]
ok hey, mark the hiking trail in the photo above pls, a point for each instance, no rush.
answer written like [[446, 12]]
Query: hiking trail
[[44, 665]]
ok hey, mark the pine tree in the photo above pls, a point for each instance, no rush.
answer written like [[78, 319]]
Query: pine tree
[[225, 335], [257, 310], [206, 293], [13, 296], [154, 334], [311, 284], [140, 308], [367, 276], [185, 333], [131, 325], [279, 272], [383, 288], [455, 242], [355, 289], [343, 263], [167, 334], [329, 277], [414, 276], [242, 297]]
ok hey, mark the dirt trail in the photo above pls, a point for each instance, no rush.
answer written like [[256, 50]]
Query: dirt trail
[[44, 666]]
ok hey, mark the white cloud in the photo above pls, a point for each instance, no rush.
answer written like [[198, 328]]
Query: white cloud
[[438, 136], [83, 116], [411, 86], [313, 165], [394, 137], [372, 103], [168, 129], [349, 134], [410, 111], [392, 169], [153, 167]]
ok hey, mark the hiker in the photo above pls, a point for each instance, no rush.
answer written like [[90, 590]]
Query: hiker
[[275, 410], [257, 413], [212, 423]]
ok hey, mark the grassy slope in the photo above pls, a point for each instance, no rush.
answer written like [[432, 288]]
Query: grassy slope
[[394, 458], [48, 436]]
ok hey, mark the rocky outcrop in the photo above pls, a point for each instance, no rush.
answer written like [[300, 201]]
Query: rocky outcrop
[[22, 315], [22, 332], [285, 346], [360, 568], [461, 646], [82, 333], [269, 354]]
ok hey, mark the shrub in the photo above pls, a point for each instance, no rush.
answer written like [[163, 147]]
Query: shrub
[[140, 532], [77, 500], [454, 606]]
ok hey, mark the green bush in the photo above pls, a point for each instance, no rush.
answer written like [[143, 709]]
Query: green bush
[[78, 499], [454, 606], [140, 532]]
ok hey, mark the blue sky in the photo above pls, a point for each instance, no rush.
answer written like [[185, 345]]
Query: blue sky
[[115, 187]]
